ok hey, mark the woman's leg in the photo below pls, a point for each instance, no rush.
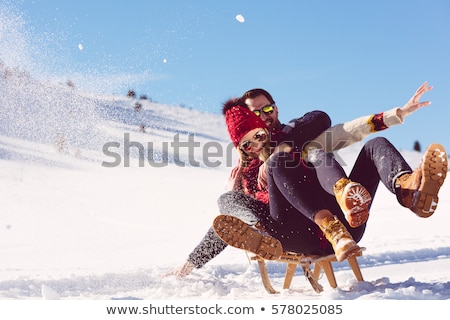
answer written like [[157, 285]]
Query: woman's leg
[[351, 196], [292, 181], [328, 170], [301, 206]]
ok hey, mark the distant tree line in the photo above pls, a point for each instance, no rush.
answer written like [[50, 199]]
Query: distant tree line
[[132, 94]]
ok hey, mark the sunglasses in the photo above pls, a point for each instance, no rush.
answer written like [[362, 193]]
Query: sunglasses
[[266, 109], [259, 136]]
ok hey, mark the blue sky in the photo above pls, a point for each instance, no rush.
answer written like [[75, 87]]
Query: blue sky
[[348, 58]]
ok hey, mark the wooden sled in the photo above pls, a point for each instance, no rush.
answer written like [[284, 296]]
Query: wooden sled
[[318, 263]]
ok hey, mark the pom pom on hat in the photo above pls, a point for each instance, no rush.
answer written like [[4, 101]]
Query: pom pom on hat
[[240, 120], [227, 105]]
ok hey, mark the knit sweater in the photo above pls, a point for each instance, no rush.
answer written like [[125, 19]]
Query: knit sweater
[[344, 134]]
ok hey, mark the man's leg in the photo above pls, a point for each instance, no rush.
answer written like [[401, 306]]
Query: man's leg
[[208, 248], [242, 206], [379, 161]]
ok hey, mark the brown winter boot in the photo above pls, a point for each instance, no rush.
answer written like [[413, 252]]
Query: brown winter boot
[[343, 244], [354, 201], [419, 190], [238, 234]]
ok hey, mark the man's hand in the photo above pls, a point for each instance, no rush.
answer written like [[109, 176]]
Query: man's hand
[[414, 104]]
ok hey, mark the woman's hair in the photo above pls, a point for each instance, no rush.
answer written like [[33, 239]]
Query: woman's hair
[[263, 156]]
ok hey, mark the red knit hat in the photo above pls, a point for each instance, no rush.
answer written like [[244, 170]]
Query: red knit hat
[[240, 120]]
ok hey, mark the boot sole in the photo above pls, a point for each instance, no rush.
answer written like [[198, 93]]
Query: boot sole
[[238, 234], [357, 202], [434, 171]]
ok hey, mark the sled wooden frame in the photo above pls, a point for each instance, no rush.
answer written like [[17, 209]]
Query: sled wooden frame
[[319, 263]]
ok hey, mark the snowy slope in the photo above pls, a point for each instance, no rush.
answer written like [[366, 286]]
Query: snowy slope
[[72, 228]]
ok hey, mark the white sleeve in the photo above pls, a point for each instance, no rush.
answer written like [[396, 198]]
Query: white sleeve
[[345, 134]]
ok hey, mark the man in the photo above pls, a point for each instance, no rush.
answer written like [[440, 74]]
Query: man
[[262, 104]]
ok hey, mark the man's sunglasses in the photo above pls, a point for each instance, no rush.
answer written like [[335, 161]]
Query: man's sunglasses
[[259, 136], [266, 109]]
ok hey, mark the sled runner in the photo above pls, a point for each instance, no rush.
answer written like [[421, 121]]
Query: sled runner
[[318, 264]]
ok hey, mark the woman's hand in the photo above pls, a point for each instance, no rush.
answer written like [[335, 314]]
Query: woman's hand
[[235, 178], [262, 176], [181, 271]]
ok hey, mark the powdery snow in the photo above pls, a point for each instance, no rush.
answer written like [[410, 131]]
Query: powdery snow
[[84, 219], [73, 229]]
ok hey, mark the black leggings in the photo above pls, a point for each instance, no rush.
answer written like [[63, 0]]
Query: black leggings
[[298, 192]]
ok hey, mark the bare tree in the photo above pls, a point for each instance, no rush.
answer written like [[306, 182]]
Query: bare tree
[[131, 94]]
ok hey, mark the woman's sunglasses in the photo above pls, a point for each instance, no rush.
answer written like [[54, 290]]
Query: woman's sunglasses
[[259, 136], [266, 109]]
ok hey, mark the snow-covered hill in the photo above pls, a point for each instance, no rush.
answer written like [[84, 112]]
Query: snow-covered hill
[[99, 200]]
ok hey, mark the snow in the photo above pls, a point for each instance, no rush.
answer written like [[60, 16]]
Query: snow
[[100, 199], [74, 229], [240, 18]]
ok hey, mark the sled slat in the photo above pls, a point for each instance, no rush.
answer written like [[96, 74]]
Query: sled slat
[[320, 263]]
